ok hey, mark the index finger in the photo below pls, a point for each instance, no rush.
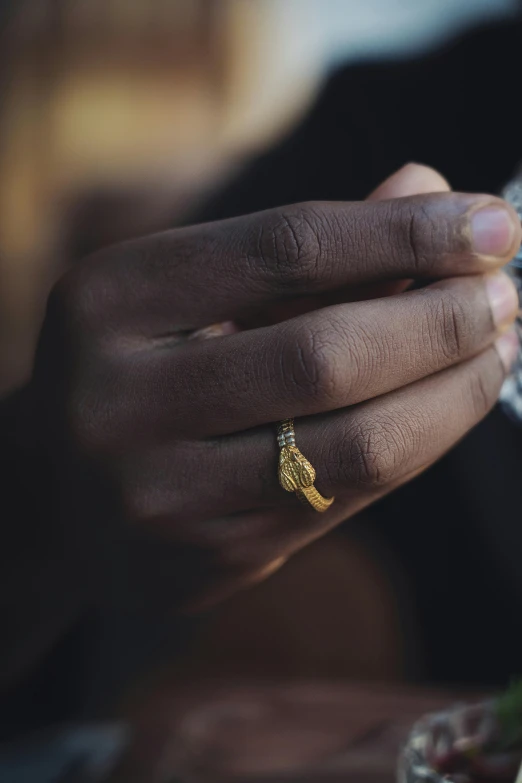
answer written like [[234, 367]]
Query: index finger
[[218, 271]]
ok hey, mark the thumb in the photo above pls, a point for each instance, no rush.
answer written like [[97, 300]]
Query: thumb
[[412, 180]]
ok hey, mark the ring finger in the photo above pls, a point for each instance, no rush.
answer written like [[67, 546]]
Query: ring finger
[[359, 453]]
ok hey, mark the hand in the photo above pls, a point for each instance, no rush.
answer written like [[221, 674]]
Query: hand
[[184, 429], [165, 445]]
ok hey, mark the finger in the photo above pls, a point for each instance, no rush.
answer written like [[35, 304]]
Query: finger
[[411, 180], [379, 443], [359, 454], [328, 359], [195, 276]]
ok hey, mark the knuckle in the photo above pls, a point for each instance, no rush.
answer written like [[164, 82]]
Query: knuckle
[[416, 234], [373, 453], [309, 365], [84, 302], [290, 246], [451, 329], [73, 303]]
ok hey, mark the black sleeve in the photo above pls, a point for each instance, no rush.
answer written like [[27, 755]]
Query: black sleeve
[[454, 109]]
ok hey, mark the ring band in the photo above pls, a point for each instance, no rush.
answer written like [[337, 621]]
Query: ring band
[[295, 473]]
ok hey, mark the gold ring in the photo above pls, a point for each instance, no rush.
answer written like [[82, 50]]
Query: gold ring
[[296, 474]]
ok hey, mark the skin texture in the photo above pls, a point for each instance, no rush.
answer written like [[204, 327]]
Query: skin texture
[[164, 445]]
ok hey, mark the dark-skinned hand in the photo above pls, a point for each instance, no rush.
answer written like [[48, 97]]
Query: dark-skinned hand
[[164, 442]]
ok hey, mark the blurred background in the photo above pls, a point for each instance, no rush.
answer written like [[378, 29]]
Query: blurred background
[[119, 117]]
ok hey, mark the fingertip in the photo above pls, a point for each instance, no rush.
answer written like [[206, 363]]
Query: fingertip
[[495, 229], [411, 180]]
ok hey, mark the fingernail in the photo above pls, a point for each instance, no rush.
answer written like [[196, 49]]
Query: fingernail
[[492, 231], [507, 348], [503, 298]]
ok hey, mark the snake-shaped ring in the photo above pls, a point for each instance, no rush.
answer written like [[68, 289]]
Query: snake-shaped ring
[[295, 473]]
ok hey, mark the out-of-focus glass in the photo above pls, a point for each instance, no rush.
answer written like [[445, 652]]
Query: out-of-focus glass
[[511, 395]]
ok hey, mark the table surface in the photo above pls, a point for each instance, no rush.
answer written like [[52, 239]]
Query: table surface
[[291, 732]]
